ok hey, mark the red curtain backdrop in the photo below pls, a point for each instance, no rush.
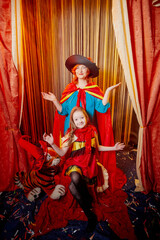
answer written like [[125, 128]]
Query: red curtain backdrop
[[144, 19], [145, 34], [12, 158]]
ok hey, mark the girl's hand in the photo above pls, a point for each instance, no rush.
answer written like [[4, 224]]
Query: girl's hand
[[119, 146], [48, 138], [113, 87], [49, 96]]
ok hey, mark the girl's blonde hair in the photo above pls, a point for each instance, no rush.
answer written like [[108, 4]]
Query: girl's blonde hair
[[75, 78], [72, 124]]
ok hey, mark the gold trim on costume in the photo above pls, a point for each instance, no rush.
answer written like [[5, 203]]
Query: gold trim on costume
[[94, 94], [90, 92], [92, 86], [79, 145], [105, 176], [66, 138], [73, 168], [66, 97]]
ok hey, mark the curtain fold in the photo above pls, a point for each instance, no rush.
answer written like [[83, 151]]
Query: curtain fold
[[146, 46], [17, 53], [138, 42], [123, 43], [12, 158], [49, 38]]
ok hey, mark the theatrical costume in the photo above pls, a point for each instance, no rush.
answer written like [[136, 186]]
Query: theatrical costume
[[84, 158], [90, 98], [83, 153]]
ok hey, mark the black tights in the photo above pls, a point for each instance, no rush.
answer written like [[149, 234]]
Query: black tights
[[78, 189]]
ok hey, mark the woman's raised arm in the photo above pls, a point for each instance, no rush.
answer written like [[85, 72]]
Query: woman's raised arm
[[51, 97]]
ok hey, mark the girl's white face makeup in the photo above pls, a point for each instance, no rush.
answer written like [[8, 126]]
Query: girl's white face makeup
[[82, 71], [79, 119]]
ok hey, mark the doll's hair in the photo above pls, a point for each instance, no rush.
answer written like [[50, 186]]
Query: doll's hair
[[75, 78], [72, 124]]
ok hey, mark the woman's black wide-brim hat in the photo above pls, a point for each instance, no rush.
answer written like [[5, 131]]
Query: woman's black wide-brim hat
[[79, 59]]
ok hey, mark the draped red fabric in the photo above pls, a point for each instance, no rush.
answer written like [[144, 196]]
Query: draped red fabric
[[12, 157], [144, 21]]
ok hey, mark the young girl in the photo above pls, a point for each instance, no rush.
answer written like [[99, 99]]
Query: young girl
[[81, 166]]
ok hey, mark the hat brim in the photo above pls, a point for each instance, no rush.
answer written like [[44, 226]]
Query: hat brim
[[79, 59]]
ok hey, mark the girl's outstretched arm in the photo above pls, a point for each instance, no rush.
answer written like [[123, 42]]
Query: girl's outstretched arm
[[106, 95], [51, 97], [49, 139], [117, 147]]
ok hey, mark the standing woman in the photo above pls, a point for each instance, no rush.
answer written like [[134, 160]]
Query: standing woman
[[81, 91]]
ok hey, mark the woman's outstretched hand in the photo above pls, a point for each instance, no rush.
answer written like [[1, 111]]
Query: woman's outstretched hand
[[107, 92], [49, 96], [119, 146], [113, 87], [48, 138]]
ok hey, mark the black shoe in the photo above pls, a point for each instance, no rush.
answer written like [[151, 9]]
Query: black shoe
[[92, 222]]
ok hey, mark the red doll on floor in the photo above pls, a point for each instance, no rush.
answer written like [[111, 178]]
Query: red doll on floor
[[82, 165]]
